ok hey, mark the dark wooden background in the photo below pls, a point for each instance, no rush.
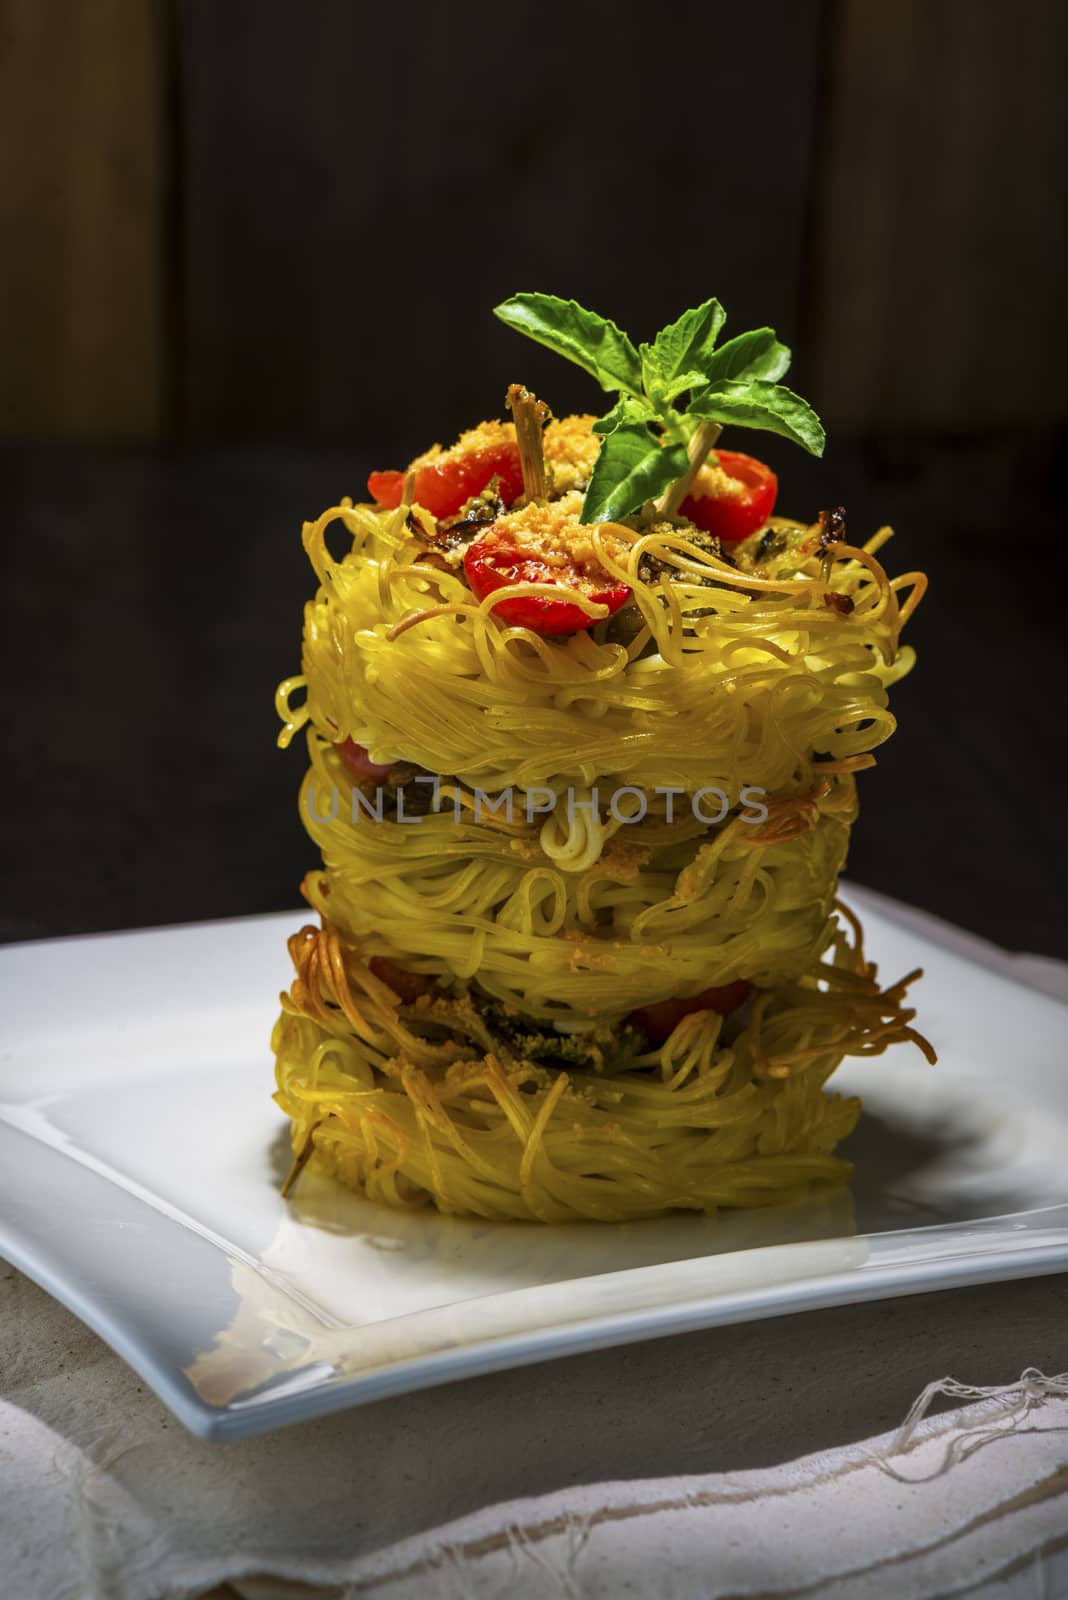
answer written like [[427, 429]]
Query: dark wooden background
[[268, 219], [249, 253]]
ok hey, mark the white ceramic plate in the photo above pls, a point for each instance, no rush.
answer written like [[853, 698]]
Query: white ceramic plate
[[152, 1211]]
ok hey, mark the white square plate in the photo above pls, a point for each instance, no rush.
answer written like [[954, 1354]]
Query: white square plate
[[140, 1158]]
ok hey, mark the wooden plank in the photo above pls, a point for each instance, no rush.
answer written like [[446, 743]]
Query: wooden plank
[[81, 209], [365, 182], [942, 222]]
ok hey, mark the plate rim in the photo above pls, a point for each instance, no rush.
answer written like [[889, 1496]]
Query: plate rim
[[968, 1260], [867, 1283]]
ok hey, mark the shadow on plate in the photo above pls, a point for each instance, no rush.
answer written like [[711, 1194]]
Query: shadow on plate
[[910, 1176]]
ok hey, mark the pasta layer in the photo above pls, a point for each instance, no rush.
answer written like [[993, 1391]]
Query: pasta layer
[[698, 1124], [577, 921], [729, 679]]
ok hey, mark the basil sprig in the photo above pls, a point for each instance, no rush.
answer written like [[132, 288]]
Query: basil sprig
[[667, 391]]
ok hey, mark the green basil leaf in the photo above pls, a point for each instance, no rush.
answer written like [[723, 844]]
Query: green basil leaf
[[582, 336], [652, 383], [761, 405], [632, 467], [749, 355], [662, 391], [682, 349], [625, 410]]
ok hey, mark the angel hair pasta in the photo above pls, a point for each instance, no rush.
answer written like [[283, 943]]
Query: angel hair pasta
[[583, 721]]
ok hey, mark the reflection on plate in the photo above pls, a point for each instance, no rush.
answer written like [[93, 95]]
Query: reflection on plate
[[153, 1210]]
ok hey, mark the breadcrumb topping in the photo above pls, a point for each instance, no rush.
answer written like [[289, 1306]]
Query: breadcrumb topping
[[713, 480], [570, 451], [552, 532], [484, 437]]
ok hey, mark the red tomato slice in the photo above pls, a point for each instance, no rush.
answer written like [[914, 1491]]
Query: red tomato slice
[[445, 485], [490, 566], [359, 763], [659, 1020], [732, 497], [407, 986]]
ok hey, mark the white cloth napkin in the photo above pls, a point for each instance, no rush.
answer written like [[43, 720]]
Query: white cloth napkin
[[972, 1501]]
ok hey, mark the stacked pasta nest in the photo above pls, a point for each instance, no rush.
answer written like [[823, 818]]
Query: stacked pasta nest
[[578, 953]]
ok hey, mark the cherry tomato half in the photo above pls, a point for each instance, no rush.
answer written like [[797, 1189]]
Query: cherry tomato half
[[732, 497], [660, 1019], [491, 566], [445, 485]]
